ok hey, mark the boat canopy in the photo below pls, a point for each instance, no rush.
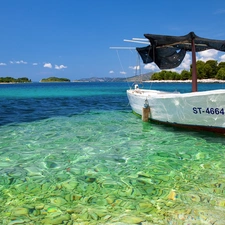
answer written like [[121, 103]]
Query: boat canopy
[[169, 51]]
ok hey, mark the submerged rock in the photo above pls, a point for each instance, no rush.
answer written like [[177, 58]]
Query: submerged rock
[[13, 222], [132, 219], [39, 206], [20, 212], [58, 201], [56, 220], [33, 171], [51, 165]]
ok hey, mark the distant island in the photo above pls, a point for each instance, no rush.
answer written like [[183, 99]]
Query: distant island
[[209, 71], [55, 79], [14, 80], [141, 77]]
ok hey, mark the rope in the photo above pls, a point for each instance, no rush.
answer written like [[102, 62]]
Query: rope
[[122, 67], [138, 69], [119, 60]]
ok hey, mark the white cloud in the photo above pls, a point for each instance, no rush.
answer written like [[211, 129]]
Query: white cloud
[[222, 58], [123, 72], [207, 55], [134, 67], [18, 62], [48, 65], [2, 64], [60, 67], [185, 65], [187, 61], [111, 71], [34, 64], [151, 67]]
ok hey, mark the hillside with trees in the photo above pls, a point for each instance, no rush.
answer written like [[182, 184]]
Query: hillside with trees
[[14, 80], [55, 79], [205, 70]]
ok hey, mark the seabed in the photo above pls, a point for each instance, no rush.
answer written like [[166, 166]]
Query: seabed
[[73, 178]]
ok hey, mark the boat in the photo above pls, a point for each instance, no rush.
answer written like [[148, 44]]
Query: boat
[[198, 110]]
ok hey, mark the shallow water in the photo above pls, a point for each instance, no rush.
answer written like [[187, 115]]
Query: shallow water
[[76, 154]]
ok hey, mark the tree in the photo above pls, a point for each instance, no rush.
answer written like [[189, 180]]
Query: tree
[[167, 75], [162, 75], [178, 76], [185, 75], [23, 80], [172, 75], [200, 69], [211, 68], [207, 71], [221, 65], [55, 79], [13, 80], [155, 76], [221, 74]]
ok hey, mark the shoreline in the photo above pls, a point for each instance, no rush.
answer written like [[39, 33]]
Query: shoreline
[[15, 82], [146, 81], [186, 81]]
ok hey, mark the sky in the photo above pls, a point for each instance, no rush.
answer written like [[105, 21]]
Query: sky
[[72, 38]]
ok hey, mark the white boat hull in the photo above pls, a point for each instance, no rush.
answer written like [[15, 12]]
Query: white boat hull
[[204, 110]]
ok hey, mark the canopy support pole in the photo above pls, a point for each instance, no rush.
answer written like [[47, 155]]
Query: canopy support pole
[[194, 69]]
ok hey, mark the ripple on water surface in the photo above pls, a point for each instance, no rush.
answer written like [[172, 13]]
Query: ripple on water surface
[[100, 168]]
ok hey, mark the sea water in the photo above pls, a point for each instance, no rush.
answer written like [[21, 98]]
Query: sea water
[[74, 153]]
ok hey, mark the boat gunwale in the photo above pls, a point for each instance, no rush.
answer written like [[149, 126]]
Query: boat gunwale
[[156, 93]]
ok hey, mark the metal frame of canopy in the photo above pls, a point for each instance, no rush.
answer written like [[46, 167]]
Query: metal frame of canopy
[[146, 41], [194, 68], [190, 42], [169, 45]]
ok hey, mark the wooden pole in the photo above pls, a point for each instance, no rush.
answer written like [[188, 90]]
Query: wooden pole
[[145, 113], [194, 69]]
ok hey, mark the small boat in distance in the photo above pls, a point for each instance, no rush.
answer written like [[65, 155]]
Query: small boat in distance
[[203, 111]]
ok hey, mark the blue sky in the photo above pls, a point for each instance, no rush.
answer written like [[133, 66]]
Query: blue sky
[[71, 38]]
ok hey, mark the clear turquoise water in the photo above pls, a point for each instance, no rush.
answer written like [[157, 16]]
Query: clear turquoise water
[[74, 153]]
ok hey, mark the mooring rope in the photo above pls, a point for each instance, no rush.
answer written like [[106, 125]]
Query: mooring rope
[[122, 68]]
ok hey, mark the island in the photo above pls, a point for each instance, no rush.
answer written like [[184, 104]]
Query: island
[[210, 69], [54, 79], [4, 80]]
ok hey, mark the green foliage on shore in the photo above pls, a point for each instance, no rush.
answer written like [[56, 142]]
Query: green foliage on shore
[[210, 69], [55, 79], [14, 80]]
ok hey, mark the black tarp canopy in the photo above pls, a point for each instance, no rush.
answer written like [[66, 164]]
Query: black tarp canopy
[[169, 51]]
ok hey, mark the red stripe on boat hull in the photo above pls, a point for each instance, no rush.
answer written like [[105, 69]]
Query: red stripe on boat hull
[[218, 130]]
